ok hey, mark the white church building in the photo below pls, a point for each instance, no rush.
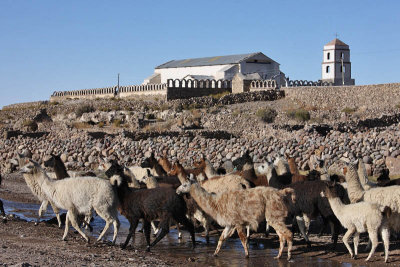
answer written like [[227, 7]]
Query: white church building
[[336, 65], [252, 66]]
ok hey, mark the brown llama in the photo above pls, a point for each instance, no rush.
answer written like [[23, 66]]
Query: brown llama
[[152, 163], [235, 210], [165, 164], [208, 169], [296, 176]]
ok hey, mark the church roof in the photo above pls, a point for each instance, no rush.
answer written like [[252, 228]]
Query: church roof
[[207, 61], [336, 42]]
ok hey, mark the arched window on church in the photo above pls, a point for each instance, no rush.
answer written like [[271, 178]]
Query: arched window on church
[[342, 55], [327, 69], [328, 56]]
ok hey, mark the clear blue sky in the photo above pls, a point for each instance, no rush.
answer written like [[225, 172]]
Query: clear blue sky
[[67, 45]]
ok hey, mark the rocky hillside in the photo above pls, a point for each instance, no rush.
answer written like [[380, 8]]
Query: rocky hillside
[[328, 123]]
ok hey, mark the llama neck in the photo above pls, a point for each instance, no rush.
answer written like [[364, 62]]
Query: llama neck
[[248, 172], [205, 200], [354, 188], [362, 174], [209, 169], [182, 176], [157, 168], [337, 206], [39, 183], [293, 166], [60, 170]]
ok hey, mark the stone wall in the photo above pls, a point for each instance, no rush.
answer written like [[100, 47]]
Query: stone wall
[[183, 89], [107, 92], [142, 90], [361, 97]]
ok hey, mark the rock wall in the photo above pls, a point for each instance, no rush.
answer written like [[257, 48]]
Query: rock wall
[[365, 97]]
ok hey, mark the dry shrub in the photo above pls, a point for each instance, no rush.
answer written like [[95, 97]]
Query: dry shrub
[[81, 125], [299, 114], [84, 109], [267, 115]]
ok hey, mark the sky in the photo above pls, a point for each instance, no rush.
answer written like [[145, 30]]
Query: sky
[[48, 46]]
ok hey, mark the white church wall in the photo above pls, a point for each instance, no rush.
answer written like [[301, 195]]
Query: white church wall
[[265, 70], [180, 73]]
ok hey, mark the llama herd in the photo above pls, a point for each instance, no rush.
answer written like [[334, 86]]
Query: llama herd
[[239, 201]]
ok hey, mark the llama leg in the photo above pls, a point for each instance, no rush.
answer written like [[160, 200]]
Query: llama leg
[[57, 212], [147, 231], [373, 236], [164, 227], [385, 238], [116, 225], [206, 225], [307, 222], [153, 225], [74, 222], [284, 235], [346, 237], [302, 227], [335, 229], [66, 226], [189, 225], [243, 239], [179, 230], [131, 234], [3, 214], [42, 208], [108, 223], [87, 220], [266, 229], [356, 240], [228, 231]]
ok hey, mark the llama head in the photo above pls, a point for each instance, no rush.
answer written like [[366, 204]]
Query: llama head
[[176, 169], [30, 167], [114, 168], [127, 172], [185, 187], [281, 165], [52, 160], [331, 190], [240, 162], [149, 162], [263, 168], [116, 180]]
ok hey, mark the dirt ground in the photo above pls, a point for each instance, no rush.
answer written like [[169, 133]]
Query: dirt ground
[[24, 244]]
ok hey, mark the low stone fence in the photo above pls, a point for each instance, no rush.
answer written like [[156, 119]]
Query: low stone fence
[[257, 85], [297, 83], [144, 89], [183, 89], [107, 92], [173, 89]]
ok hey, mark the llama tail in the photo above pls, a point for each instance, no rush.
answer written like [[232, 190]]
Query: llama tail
[[387, 211], [288, 191]]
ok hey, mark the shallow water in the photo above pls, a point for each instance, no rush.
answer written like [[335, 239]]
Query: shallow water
[[231, 254]]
